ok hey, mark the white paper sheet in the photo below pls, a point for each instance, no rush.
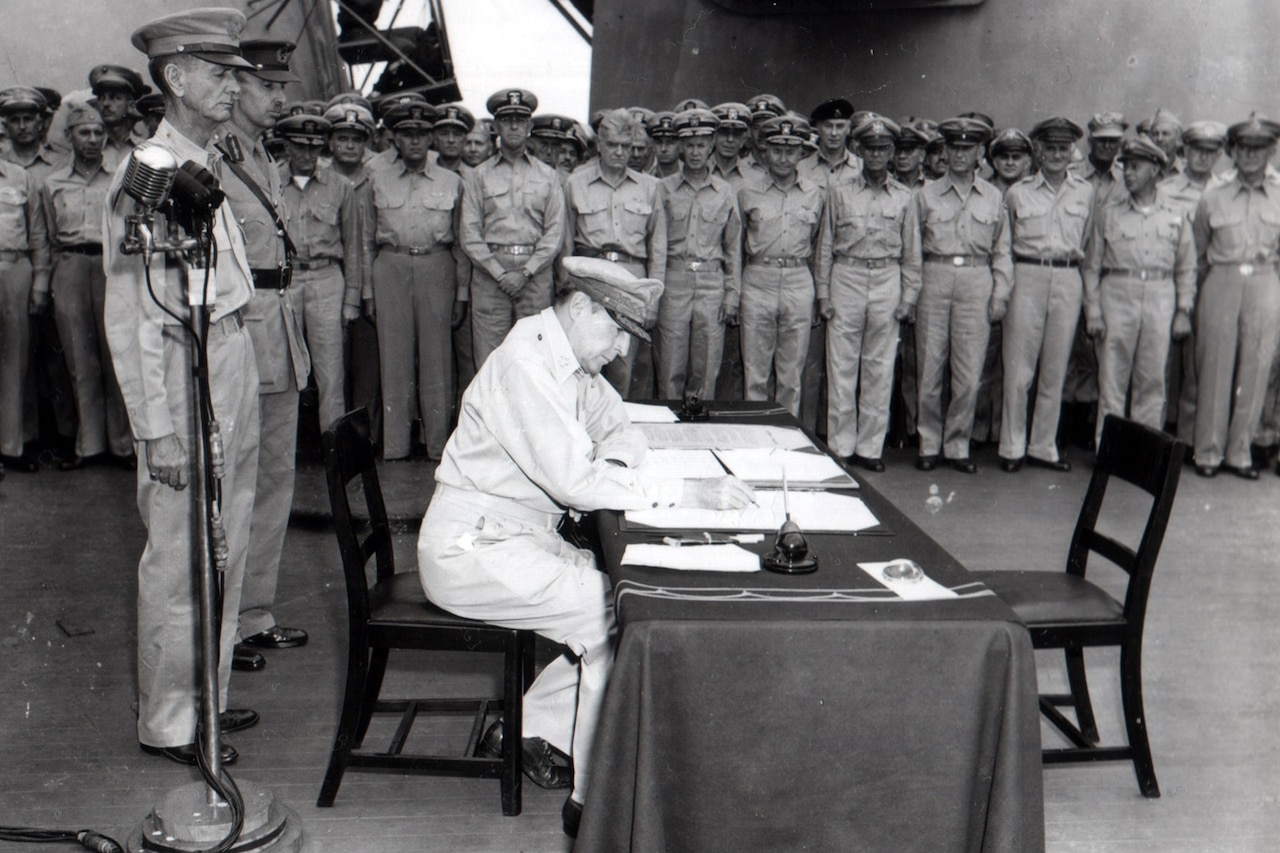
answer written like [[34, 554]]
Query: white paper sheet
[[804, 469], [680, 463], [714, 435], [921, 589], [813, 511], [643, 413], [700, 558]]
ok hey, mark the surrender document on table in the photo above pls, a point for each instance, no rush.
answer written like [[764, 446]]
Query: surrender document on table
[[680, 463], [716, 435], [816, 512], [799, 469]]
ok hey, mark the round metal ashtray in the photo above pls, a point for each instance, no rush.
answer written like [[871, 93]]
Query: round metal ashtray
[[903, 570]]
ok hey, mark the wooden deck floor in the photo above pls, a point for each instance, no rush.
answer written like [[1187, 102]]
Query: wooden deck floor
[[69, 544]]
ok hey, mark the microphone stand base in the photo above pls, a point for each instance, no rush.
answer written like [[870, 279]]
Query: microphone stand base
[[184, 820]]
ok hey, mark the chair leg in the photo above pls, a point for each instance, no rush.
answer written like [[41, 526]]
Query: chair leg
[[1135, 719], [372, 689], [1080, 694], [528, 664], [513, 660], [348, 734]]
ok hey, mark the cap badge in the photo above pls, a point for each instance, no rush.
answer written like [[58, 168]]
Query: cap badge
[[350, 116], [513, 98], [786, 128]]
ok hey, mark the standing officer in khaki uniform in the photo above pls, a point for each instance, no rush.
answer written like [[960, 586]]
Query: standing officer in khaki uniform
[[115, 90], [666, 149], [1101, 168], [73, 198], [1050, 215], [449, 136], [251, 180], [867, 265], [616, 213], [512, 226], [1165, 130], [704, 265], [1139, 288], [727, 162], [23, 110], [320, 216], [781, 214], [1237, 234], [1202, 142], [833, 163], [411, 254], [965, 247]]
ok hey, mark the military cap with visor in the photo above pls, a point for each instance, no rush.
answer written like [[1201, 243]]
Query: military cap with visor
[[19, 98], [105, 78], [877, 129], [208, 33], [1009, 139], [455, 115], [764, 107], [733, 114], [270, 59], [304, 129], [1142, 148], [152, 104], [631, 302], [550, 126], [696, 123], [1057, 129], [964, 130], [518, 102], [1107, 125], [1255, 130], [662, 124], [1164, 117], [349, 98], [411, 114], [1210, 135], [305, 108], [350, 117], [690, 104], [785, 130]]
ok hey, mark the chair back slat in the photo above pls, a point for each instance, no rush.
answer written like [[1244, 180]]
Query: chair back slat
[[349, 457], [1151, 461]]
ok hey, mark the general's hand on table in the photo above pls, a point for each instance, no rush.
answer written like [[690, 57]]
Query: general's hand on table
[[717, 493]]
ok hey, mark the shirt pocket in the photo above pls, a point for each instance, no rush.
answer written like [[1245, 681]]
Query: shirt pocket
[[1269, 231], [496, 200], [437, 211], [984, 222], [635, 216], [1228, 233], [1074, 216], [1033, 222], [325, 212], [534, 198]]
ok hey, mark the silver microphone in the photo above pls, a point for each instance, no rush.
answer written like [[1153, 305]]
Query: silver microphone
[[150, 175]]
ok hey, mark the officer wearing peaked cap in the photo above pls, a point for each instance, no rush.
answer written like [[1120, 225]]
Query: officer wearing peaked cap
[[730, 143], [1050, 216], [833, 163], [398, 103], [540, 430], [452, 124], [189, 53], [547, 134], [704, 263], [1140, 288], [354, 98], [763, 108], [512, 226], [690, 104], [1100, 168], [1010, 154], [662, 131], [152, 109], [116, 90], [867, 265], [1237, 322]]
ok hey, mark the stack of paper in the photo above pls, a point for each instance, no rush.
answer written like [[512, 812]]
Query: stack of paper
[[701, 558], [799, 469], [814, 511]]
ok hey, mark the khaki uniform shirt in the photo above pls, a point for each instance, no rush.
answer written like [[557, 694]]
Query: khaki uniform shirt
[[44, 161], [967, 222], [845, 170], [322, 221], [781, 223], [73, 204], [737, 175], [1048, 223], [1107, 186], [512, 202], [862, 220], [411, 210], [628, 218], [703, 224], [261, 236], [113, 153], [1127, 237], [23, 223], [1237, 224]]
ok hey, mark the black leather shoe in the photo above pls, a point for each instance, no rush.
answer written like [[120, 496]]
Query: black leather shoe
[[1207, 470], [964, 466], [75, 463], [237, 719], [1059, 466], [1277, 470], [276, 637], [125, 463], [26, 463], [1249, 473], [571, 815], [927, 462], [245, 659], [540, 763], [186, 754], [1009, 466], [867, 462]]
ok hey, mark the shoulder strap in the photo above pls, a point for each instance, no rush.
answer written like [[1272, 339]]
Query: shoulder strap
[[245, 178]]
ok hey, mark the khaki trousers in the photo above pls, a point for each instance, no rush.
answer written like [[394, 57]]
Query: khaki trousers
[[317, 304], [776, 312], [493, 313], [690, 337], [862, 339], [1133, 353]]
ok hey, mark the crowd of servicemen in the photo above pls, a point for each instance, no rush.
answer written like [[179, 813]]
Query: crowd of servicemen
[[945, 283]]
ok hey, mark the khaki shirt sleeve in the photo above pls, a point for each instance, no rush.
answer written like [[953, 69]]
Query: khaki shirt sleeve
[[1094, 252], [1002, 256], [352, 268], [1184, 270], [911, 258], [554, 231], [656, 235], [732, 245], [38, 234], [367, 217], [471, 226], [824, 250]]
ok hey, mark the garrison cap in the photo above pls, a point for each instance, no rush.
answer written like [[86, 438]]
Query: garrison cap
[[877, 129], [733, 114], [1253, 131], [1142, 148], [455, 115], [305, 108], [1009, 139], [519, 102], [1205, 134], [690, 104], [1107, 125], [662, 124], [304, 128], [696, 123], [81, 113], [552, 127], [208, 33], [631, 301], [1057, 129], [151, 104], [1164, 117], [835, 108], [270, 59], [964, 130], [790, 129], [108, 77], [18, 98], [409, 114], [350, 117], [764, 107], [349, 98]]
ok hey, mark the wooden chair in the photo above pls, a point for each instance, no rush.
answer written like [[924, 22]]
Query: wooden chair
[[393, 613], [1064, 610]]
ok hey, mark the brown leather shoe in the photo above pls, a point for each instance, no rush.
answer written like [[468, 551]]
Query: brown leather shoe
[[540, 762]]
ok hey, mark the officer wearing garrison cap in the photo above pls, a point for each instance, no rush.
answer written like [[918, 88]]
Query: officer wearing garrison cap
[[704, 265], [1237, 322], [616, 213], [1165, 130], [411, 252], [833, 163], [1139, 288], [541, 431], [1050, 215], [252, 181], [116, 90], [151, 107], [512, 226], [781, 214], [867, 264], [965, 250], [191, 57]]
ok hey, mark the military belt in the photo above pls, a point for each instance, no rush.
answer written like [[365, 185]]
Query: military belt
[[867, 263], [715, 265], [314, 264], [265, 279], [772, 261], [1254, 268], [1056, 263], [608, 255], [416, 250], [1142, 273], [958, 260], [519, 249]]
